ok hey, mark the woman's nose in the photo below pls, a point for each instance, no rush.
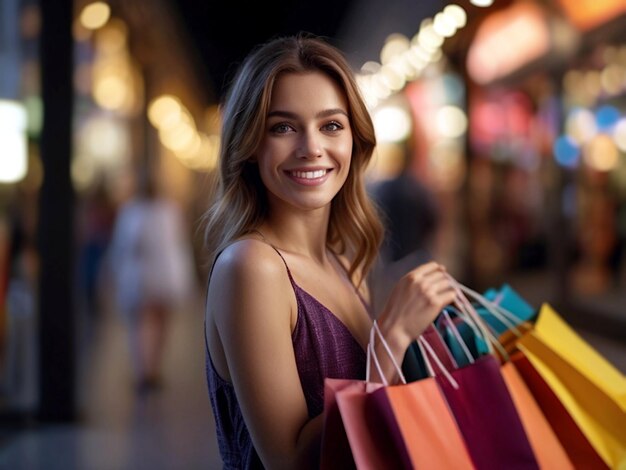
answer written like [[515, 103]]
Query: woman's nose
[[309, 147]]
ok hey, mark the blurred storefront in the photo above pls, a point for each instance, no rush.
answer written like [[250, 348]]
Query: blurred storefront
[[517, 115], [546, 88], [138, 107]]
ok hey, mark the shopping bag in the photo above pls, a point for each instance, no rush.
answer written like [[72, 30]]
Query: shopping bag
[[480, 401], [507, 298], [542, 437], [374, 437], [589, 387], [335, 451], [487, 417], [359, 431], [428, 428], [578, 448], [543, 440], [380, 426]]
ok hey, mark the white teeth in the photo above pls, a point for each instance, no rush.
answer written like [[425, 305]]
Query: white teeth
[[309, 175]]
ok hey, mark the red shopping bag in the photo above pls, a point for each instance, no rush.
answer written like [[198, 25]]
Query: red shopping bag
[[544, 441], [481, 402]]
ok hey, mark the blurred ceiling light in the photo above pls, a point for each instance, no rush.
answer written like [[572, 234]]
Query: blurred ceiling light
[[580, 125], [391, 123], [178, 137], [111, 92], [506, 41], [14, 161], [607, 116], [566, 152], [601, 153], [481, 3], [457, 14], [393, 76], [395, 44], [444, 25], [379, 87], [164, 108], [619, 134], [105, 141], [451, 121], [95, 15], [428, 38], [613, 78]]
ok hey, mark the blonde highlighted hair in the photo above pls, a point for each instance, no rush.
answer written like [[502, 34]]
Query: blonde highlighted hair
[[240, 204]]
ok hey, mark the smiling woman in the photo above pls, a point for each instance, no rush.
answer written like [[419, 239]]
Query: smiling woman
[[291, 236]]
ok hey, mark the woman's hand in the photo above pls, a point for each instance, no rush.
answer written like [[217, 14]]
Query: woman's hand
[[416, 300]]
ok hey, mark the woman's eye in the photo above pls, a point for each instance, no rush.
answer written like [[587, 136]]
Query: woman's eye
[[333, 126], [281, 128]]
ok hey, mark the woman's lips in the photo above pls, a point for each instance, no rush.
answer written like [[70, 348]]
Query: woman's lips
[[309, 177]]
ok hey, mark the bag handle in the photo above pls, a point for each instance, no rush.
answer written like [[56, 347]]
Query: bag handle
[[508, 318], [375, 331], [458, 337], [423, 345], [488, 336]]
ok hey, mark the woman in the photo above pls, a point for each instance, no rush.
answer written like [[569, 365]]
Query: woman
[[292, 235]]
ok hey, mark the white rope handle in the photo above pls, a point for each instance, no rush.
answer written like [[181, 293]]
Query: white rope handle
[[488, 336], [458, 337], [470, 315], [424, 344], [375, 330], [508, 318]]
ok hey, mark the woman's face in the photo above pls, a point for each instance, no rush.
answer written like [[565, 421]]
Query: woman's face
[[304, 156]]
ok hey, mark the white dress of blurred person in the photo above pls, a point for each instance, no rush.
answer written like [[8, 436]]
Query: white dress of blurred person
[[152, 266]]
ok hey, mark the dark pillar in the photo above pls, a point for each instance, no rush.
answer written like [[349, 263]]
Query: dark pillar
[[55, 232]]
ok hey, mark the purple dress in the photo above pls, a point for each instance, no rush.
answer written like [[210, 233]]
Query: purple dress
[[323, 346]]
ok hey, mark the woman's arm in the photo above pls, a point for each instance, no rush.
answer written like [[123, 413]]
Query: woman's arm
[[253, 305], [413, 304]]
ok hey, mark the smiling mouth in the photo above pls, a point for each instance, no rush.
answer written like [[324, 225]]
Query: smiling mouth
[[308, 175]]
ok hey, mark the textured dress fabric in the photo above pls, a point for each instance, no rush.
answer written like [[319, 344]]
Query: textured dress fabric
[[323, 346]]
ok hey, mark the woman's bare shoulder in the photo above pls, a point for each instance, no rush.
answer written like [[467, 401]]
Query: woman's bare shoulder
[[247, 265], [249, 256]]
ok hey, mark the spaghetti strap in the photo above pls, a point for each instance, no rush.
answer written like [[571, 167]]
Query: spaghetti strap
[[284, 261], [367, 306]]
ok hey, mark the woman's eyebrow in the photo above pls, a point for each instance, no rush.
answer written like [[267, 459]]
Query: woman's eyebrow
[[321, 114]]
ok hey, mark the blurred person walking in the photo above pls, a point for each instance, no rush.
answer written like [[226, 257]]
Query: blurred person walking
[[152, 267], [96, 216]]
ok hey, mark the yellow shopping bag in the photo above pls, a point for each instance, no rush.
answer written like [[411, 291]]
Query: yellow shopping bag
[[589, 387]]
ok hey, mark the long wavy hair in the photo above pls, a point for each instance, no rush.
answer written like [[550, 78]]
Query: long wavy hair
[[240, 204]]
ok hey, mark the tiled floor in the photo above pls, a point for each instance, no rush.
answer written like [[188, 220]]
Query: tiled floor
[[171, 429]]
